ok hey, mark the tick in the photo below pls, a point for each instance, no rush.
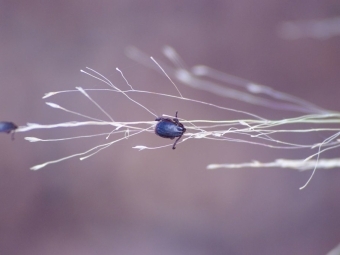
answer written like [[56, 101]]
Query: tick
[[170, 128], [8, 127]]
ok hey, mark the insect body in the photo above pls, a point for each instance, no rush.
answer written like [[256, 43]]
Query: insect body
[[169, 128], [8, 127]]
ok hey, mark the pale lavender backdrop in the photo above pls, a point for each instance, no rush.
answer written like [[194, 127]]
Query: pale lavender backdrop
[[122, 201]]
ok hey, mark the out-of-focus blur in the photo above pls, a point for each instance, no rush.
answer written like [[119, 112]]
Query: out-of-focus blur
[[125, 201]]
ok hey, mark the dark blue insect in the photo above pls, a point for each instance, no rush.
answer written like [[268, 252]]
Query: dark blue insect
[[169, 128], [8, 127]]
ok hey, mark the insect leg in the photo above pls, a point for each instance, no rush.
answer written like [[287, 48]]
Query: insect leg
[[176, 119], [174, 146]]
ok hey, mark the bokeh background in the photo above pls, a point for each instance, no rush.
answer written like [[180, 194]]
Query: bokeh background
[[122, 201]]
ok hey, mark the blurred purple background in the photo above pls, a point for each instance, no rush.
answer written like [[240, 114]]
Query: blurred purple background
[[122, 201]]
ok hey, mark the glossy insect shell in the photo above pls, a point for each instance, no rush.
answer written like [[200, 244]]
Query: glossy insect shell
[[167, 128], [170, 128], [7, 127]]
